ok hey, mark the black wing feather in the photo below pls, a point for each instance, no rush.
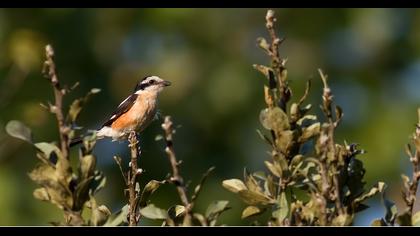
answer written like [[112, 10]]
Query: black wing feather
[[121, 109]]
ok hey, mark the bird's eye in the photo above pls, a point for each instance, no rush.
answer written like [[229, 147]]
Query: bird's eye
[[152, 81]]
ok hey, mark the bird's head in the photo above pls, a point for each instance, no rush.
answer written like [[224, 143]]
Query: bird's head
[[151, 84]]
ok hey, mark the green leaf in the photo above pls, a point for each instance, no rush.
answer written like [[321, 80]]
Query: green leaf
[[98, 183], [82, 193], [200, 219], [263, 69], [283, 208], [153, 212], [176, 211], [269, 186], [48, 149], [99, 214], [285, 140], [380, 186], [87, 165], [251, 183], [234, 185], [119, 218], [19, 130], [214, 210], [415, 219], [309, 132], [274, 119], [391, 211], [263, 44], [77, 105], [274, 168], [342, 220], [378, 222], [41, 194], [306, 119], [216, 207], [251, 211], [158, 137], [148, 190], [255, 198], [199, 186]]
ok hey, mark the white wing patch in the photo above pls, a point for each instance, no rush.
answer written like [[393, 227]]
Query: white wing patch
[[123, 102]]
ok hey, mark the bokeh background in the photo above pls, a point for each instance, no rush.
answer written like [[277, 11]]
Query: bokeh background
[[372, 57]]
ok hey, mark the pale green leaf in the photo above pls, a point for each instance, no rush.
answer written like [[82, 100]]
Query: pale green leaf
[[153, 212], [234, 185], [19, 130]]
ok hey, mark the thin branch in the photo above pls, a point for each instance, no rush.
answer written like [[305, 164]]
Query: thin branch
[[276, 61], [176, 178], [327, 99], [132, 175], [49, 71], [411, 190]]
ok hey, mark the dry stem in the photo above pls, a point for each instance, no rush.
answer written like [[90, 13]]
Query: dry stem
[[132, 174], [49, 71], [176, 178]]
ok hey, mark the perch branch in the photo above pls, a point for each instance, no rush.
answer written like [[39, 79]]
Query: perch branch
[[132, 174]]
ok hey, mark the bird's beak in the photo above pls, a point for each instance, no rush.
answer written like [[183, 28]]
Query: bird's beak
[[166, 83]]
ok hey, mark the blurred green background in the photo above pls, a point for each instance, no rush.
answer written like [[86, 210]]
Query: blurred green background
[[372, 57]]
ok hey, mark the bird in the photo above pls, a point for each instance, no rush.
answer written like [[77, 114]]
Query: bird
[[135, 113]]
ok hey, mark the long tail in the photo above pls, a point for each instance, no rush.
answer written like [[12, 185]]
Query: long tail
[[79, 139]]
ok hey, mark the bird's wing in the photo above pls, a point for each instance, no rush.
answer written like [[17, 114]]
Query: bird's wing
[[121, 109]]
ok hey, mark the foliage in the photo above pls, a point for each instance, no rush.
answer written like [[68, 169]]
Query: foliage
[[409, 190], [312, 180], [71, 189]]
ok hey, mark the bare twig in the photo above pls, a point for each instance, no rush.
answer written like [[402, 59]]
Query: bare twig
[[329, 145], [176, 178], [49, 71], [278, 64], [131, 181], [411, 190]]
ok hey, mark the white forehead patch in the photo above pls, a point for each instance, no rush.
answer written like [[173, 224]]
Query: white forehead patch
[[152, 78]]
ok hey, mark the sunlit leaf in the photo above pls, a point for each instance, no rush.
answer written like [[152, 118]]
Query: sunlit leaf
[[77, 105], [274, 168], [119, 218], [251, 211], [153, 212], [274, 119], [234, 185], [215, 209], [148, 190], [176, 211], [87, 165], [48, 148], [415, 219], [378, 222], [99, 214], [342, 220], [283, 208], [41, 194], [310, 132], [255, 198]]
